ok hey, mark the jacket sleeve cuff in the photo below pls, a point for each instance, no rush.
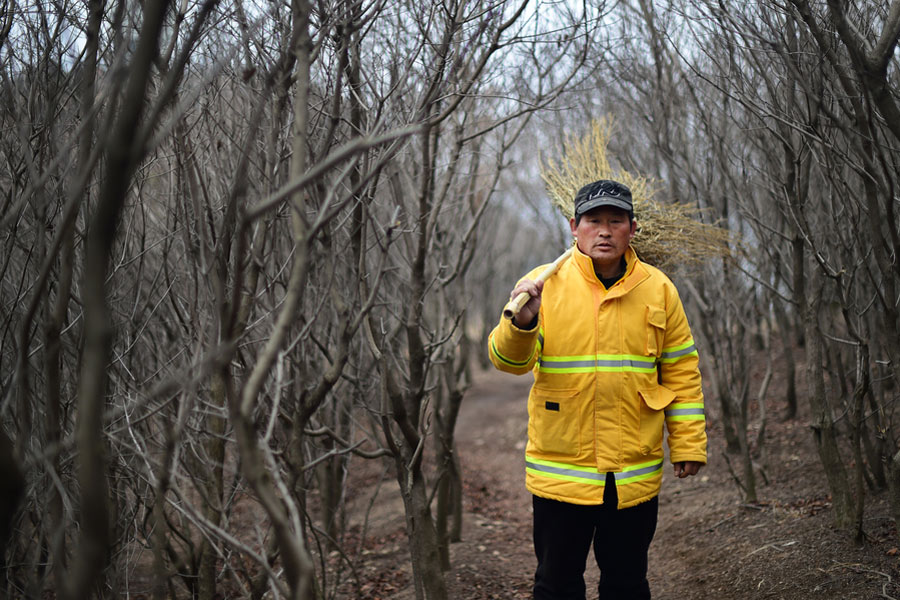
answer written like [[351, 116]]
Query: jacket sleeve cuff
[[530, 327], [677, 458], [512, 348]]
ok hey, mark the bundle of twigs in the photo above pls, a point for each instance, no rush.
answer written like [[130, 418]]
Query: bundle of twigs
[[669, 235]]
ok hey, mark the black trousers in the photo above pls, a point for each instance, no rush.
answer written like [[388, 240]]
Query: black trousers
[[563, 534]]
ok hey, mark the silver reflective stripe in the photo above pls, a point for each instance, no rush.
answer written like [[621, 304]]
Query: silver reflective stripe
[[553, 363], [628, 362], [567, 472], [678, 412], [679, 353], [638, 472], [567, 364]]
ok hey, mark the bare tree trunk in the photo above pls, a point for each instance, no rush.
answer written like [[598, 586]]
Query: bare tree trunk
[[332, 474], [421, 532], [427, 571], [748, 482], [449, 486], [214, 486], [53, 398], [893, 479], [763, 415], [91, 554], [822, 424], [788, 339], [857, 420], [12, 488], [729, 425]]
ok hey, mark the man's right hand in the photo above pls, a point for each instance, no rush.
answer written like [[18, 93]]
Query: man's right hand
[[531, 308]]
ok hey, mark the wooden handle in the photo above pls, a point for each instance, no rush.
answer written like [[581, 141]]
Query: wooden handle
[[513, 307]]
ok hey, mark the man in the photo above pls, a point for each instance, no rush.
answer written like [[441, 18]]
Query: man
[[613, 360]]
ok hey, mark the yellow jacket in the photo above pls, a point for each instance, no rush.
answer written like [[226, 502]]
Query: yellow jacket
[[610, 367]]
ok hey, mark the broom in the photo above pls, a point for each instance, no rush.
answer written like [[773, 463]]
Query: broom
[[669, 236]]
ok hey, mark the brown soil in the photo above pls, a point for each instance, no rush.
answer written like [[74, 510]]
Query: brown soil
[[707, 545]]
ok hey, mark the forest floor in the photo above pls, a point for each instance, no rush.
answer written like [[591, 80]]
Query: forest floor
[[708, 543]]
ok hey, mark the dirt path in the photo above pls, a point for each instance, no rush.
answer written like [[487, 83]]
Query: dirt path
[[706, 546]]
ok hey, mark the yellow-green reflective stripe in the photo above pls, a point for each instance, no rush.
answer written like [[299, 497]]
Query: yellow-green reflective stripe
[[576, 358], [639, 473], [563, 471], [509, 361], [589, 475], [550, 463], [544, 471], [597, 369], [601, 357], [687, 411], [688, 345], [678, 352]]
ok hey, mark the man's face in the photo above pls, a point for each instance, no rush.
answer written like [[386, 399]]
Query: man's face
[[603, 234]]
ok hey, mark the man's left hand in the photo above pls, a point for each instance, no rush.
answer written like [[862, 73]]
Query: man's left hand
[[687, 467]]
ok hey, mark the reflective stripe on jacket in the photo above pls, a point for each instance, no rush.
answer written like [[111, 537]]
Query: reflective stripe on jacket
[[610, 368]]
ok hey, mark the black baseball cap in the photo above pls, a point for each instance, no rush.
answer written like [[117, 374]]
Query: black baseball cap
[[604, 192]]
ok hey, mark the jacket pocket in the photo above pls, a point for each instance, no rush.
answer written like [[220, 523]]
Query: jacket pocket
[[554, 426], [653, 416], [656, 330]]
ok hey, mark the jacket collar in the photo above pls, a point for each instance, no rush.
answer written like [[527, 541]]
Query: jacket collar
[[635, 271]]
